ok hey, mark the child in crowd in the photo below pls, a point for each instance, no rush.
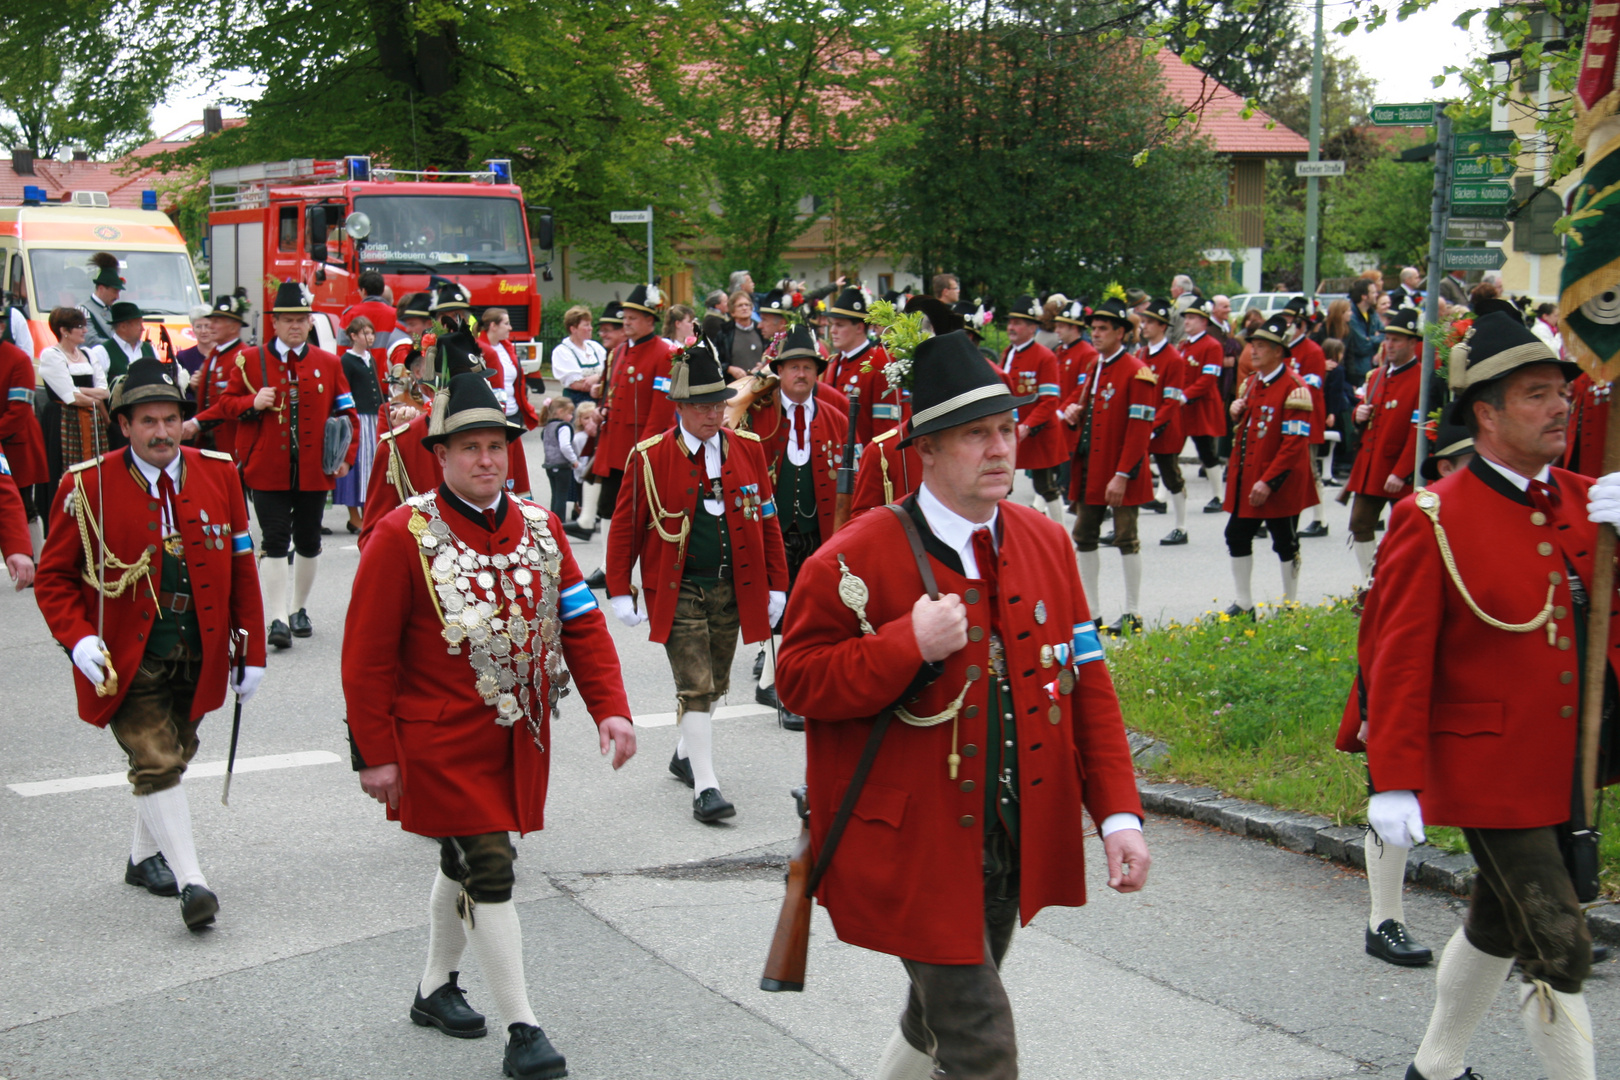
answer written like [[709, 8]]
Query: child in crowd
[[557, 436]]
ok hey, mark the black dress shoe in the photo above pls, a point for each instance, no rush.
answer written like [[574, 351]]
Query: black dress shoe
[[153, 875], [790, 721], [1240, 612], [710, 805], [1126, 625], [280, 635], [1315, 528], [1156, 506], [530, 1055], [1331, 482], [766, 696], [1467, 1074], [1213, 506], [759, 665], [354, 530], [598, 580], [1177, 536], [1391, 943], [301, 626], [1108, 541], [197, 906], [1600, 952], [681, 769], [572, 528], [325, 531], [447, 1009]]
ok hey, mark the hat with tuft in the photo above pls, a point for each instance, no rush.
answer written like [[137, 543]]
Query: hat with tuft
[[952, 383]]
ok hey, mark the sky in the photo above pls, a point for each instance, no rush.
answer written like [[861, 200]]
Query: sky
[[1400, 56]]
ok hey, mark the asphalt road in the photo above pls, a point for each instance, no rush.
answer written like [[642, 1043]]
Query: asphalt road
[[644, 931]]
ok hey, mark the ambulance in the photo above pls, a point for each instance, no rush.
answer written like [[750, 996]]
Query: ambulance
[[46, 246]]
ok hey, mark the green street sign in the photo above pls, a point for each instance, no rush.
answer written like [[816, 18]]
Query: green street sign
[[1481, 194], [1466, 229], [1475, 143], [1489, 167], [1418, 115], [1488, 258]]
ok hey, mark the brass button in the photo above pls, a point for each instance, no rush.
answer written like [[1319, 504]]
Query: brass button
[[1544, 548], [1538, 518], [971, 712], [1054, 714], [971, 596], [1567, 711], [1558, 612], [968, 785], [976, 633], [1563, 643], [1555, 577], [151, 506], [970, 750], [973, 673], [1566, 677], [966, 822], [152, 525]]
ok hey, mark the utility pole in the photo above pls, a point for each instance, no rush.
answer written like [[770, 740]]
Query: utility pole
[[1439, 211], [650, 279], [1311, 197]]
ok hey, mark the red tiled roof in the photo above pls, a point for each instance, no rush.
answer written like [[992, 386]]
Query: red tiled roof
[[122, 182], [1218, 114]]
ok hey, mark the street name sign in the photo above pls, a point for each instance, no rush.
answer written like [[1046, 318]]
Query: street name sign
[[1486, 167], [1318, 168], [629, 217], [1474, 143], [1486, 258], [1417, 115], [1477, 229]]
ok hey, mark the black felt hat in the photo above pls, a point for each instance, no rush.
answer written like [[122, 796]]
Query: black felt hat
[[451, 297], [469, 404], [1075, 313], [643, 300], [291, 299], [1451, 441], [776, 302], [417, 306], [1297, 306], [942, 318], [1112, 309], [1275, 330], [234, 306], [1201, 306], [952, 383], [612, 314], [149, 380], [1404, 322], [1159, 309], [851, 304], [460, 354], [107, 275], [697, 378], [123, 311], [1027, 308], [1497, 345], [799, 344]]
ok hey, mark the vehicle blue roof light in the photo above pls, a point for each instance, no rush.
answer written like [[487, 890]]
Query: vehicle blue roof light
[[501, 168], [149, 199], [33, 195], [359, 168]]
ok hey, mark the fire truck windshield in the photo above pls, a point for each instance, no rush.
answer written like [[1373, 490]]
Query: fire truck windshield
[[160, 282], [448, 234]]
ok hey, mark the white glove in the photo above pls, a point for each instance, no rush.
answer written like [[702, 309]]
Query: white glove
[[625, 609], [1603, 500], [88, 659], [1396, 817], [249, 683], [775, 606]]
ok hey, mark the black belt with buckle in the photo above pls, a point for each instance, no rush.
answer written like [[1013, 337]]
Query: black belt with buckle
[[177, 602], [721, 572]]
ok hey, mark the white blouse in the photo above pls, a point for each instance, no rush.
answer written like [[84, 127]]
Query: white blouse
[[56, 372]]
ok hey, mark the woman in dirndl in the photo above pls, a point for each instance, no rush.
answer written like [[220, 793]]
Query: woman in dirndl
[[366, 385], [76, 421]]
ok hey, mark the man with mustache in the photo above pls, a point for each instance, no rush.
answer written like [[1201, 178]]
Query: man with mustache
[[962, 614], [165, 530]]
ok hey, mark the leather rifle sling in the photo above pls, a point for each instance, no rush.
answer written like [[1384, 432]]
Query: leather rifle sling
[[852, 793]]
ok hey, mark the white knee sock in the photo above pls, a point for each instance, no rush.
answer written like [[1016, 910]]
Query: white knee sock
[[1242, 579], [36, 536], [143, 845], [1216, 481], [1560, 1029], [1364, 556], [1179, 501], [1290, 579], [588, 503], [767, 674], [697, 738], [273, 579], [496, 941], [1133, 583], [1465, 985], [1316, 511], [1054, 508], [1386, 880], [168, 819], [303, 580], [902, 1061], [1090, 568], [447, 938]]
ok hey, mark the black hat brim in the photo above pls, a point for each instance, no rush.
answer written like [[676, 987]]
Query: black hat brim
[[777, 361], [973, 410], [514, 432], [711, 398], [240, 320], [187, 407], [1461, 406]]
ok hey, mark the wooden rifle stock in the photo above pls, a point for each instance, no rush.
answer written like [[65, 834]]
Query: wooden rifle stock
[[846, 469], [784, 967]]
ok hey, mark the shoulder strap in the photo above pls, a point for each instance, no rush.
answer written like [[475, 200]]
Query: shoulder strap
[[914, 538]]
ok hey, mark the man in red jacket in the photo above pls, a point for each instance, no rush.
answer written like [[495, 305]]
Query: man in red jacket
[[16, 546], [970, 818], [1588, 425], [859, 363], [1268, 481], [164, 528], [458, 748], [281, 396], [696, 510], [1033, 372], [1203, 417], [1383, 469], [1309, 363], [22, 443], [1169, 437], [210, 428], [1113, 410], [1474, 688]]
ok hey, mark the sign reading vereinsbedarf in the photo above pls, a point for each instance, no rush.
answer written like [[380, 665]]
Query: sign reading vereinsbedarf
[[1486, 258], [1415, 115]]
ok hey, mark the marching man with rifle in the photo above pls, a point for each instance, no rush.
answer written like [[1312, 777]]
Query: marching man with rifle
[[148, 581], [962, 615]]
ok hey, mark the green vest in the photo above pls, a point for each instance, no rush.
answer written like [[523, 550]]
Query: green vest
[[173, 627], [708, 545], [1001, 760], [796, 496]]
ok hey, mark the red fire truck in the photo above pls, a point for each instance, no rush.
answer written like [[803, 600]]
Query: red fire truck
[[323, 223]]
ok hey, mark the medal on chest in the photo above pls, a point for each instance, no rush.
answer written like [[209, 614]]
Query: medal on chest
[[1107, 395], [1026, 382], [747, 500], [1264, 414], [501, 607]]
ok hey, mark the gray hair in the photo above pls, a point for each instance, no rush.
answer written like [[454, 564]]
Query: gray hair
[[737, 279], [1183, 282], [1410, 272]]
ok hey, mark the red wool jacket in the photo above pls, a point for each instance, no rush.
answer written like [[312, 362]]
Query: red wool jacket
[[1271, 442], [21, 440], [1588, 426], [403, 467], [264, 440], [208, 387], [1171, 371], [1309, 363], [887, 473], [636, 400], [1204, 414], [825, 437], [1118, 397], [1034, 370], [1389, 443], [883, 407]]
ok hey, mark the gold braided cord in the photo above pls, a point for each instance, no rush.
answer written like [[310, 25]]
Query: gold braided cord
[[397, 474], [659, 514], [948, 713], [131, 572], [418, 525], [1429, 503]]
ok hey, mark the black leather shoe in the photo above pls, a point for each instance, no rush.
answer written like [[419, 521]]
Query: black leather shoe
[[766, 696], [710, 805], [1240, 612], [280, 635], [1126, 625], [572, 528], [301, 626], [153, 875], [1467, 1074], [681, 769], [1331, 482], [530, 1055], [197, 906], [1156, 506], [1177, 536], [759, 665], [1315, 528], [790, 721], [1391, 943], [1600, 952], [447, 1009], [1108, 541], [325, 531], [1213, 506], [598, 580]]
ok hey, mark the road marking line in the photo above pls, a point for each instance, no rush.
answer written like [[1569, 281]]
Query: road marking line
[[206, 768], [724, 712]]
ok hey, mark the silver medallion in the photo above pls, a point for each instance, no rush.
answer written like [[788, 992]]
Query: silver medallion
[[486, 580], [430, 541], [522, 576], [501, 561], [468, 562], [438, 527]]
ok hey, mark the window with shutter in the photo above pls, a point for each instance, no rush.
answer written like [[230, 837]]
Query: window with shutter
[[1533, 225]]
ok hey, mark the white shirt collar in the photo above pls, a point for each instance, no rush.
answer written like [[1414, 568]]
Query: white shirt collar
[[1520, 482], [1020, 348], [128, 350], [1117, 354], [952, 529], [788, 405], [1196, 336], [219, 348], [693, 442], [1276, 371], [149, 472], [853, 353], [282, 348], [1155, 350]]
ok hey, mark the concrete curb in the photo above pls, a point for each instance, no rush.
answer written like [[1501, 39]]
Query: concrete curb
[[1309, 834]]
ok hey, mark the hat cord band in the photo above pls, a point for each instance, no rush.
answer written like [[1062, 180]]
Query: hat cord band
[[979, 393]]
